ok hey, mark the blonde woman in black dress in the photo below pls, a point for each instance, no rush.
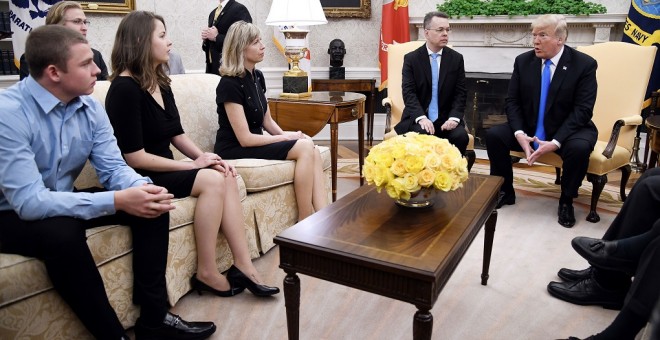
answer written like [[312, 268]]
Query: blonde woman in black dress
[[243, 115], [146, 121]]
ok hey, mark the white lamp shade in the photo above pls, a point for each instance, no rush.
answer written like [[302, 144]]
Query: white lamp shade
[[296, 12]]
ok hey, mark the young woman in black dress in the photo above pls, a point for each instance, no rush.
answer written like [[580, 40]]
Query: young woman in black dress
[[146, 121], [243, 115]]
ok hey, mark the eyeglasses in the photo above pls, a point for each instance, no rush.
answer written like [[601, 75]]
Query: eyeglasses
[[79, 22], [440, 29]]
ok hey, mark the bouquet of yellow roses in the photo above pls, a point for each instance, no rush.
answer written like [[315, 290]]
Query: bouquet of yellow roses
[[405, 164]]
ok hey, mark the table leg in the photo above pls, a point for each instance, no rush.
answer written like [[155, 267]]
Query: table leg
[[488, 245], [361, 146], [370, 123], [422, 324], [292, 304], [334, 144], [370, 107]]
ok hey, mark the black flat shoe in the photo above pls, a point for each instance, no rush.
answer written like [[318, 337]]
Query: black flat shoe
[[587, 292], [200, 287], [505, 198], [238, 279], [566, 215], [575, 274], [600, 254], [173, 327]]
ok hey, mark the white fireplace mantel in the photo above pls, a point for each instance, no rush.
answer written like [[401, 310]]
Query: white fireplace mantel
[[490, 44]]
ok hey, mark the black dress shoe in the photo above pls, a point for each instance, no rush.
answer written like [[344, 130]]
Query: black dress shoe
[[566, 215], [238, 279], [587, 292], [575, 275], [174, 328], [505, 198], [200, 287], [600, 254]]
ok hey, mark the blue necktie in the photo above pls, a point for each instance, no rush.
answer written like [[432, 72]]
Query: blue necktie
[[435, 74], [545, 86]]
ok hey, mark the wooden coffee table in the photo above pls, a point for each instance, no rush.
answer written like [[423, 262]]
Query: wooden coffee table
[[365, 241]]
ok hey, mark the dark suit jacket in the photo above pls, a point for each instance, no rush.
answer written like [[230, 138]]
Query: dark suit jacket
[[571, 97], [417, 84], [24, 70], [231, 13]]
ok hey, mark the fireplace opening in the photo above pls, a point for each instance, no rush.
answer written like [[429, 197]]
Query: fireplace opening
[[484, 108]]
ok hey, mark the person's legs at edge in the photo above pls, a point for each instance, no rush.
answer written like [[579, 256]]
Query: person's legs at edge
[[639, 210], [640, 299], [60, 243], [636, 216]]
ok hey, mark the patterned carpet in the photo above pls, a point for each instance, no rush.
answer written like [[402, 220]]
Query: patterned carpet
[[532, 181]]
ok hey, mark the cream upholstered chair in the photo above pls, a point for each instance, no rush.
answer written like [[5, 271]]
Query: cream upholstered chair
[[394, 101], [623, 74]]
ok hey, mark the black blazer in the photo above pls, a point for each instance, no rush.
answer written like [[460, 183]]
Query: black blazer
[[571, 97], [231, 13], [417, 84]]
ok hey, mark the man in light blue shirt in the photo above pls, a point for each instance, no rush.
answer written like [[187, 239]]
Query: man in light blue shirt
[[49, 128]]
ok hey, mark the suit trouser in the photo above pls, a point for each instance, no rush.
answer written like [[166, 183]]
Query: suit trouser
[[457, 136], [638, 214], [644, 290], [574, 153], [60, 242]]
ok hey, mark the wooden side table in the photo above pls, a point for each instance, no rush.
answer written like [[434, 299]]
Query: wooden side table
[[653, 125], [365, 86], [311, 114]]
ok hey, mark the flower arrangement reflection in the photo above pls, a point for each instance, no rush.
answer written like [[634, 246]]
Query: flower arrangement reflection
[[405, 164]]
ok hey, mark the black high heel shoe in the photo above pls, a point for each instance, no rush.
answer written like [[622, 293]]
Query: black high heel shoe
[[238, 279], [200, 286]]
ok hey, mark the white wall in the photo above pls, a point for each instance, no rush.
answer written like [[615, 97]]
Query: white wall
[[185, 18]]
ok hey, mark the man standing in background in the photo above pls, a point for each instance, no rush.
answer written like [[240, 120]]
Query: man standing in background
[[69, 14], [213, 37]]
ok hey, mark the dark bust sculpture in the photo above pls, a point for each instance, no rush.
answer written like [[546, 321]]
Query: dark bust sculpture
[[336, 50]]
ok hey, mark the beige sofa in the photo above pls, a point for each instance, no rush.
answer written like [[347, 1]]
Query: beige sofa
[[31, 309]]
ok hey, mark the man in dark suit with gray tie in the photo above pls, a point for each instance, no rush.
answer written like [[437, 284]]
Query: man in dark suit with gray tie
[[433, 86], [227, 13], [549, 108]]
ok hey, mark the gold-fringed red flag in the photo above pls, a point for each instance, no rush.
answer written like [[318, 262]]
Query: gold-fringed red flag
[[394, 29]]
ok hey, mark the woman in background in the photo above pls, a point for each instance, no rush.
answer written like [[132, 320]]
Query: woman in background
[[243, 115], [145, 118]]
